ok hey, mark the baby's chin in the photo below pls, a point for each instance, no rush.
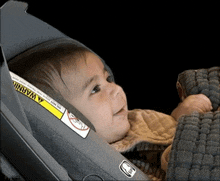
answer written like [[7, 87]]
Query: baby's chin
[[125, 132], [117, 132], [125, 127]]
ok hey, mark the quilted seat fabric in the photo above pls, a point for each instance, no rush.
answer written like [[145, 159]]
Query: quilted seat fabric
[[195, 153], [202, 81]]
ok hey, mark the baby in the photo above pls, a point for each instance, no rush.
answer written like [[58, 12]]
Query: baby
[[82, 79]]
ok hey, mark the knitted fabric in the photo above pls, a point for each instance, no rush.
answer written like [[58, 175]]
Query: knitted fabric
[[195, 153], [202, 81], [149, 126]]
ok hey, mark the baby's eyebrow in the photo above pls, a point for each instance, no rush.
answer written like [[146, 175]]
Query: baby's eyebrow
[[89, 81]]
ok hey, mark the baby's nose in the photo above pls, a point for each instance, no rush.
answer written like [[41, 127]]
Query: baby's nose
[[115, 90]]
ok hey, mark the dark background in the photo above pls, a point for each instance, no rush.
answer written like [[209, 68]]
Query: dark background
[[146, 45]]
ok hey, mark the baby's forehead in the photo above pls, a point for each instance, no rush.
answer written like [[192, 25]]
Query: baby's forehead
[[75, 73], [89, 63]]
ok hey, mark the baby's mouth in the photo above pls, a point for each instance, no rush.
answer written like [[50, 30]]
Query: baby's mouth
[[122, 112]]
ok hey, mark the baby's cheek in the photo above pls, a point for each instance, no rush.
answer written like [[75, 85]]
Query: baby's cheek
[[101, 115]]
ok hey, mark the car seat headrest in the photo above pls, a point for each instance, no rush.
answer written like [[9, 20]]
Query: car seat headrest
[[22, 33]]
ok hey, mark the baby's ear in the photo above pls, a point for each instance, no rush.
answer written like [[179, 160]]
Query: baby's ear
[[218, 108], [180, 91]]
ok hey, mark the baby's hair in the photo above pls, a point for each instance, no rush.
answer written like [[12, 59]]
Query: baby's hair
[[49, 52], [41, 65]]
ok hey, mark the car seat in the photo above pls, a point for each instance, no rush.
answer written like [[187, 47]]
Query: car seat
[[35, 143]]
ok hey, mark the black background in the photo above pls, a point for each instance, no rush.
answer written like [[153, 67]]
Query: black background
[[146, 45]]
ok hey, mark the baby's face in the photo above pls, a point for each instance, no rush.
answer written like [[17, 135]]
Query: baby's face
[[93, 93]]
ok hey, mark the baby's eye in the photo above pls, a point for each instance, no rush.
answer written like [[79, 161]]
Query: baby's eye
[[96, 89], [110, 79]]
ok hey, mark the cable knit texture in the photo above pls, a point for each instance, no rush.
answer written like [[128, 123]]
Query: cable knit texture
[[195, 153], [201, 81]]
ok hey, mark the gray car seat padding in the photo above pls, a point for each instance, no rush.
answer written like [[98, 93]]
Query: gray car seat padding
[[8, 170], [17, 143], [9, 96], [20, 30], [31, 166]]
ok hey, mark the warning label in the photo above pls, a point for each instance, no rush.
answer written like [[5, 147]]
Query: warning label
[[24, 90], [75, 124], [49, 104]]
